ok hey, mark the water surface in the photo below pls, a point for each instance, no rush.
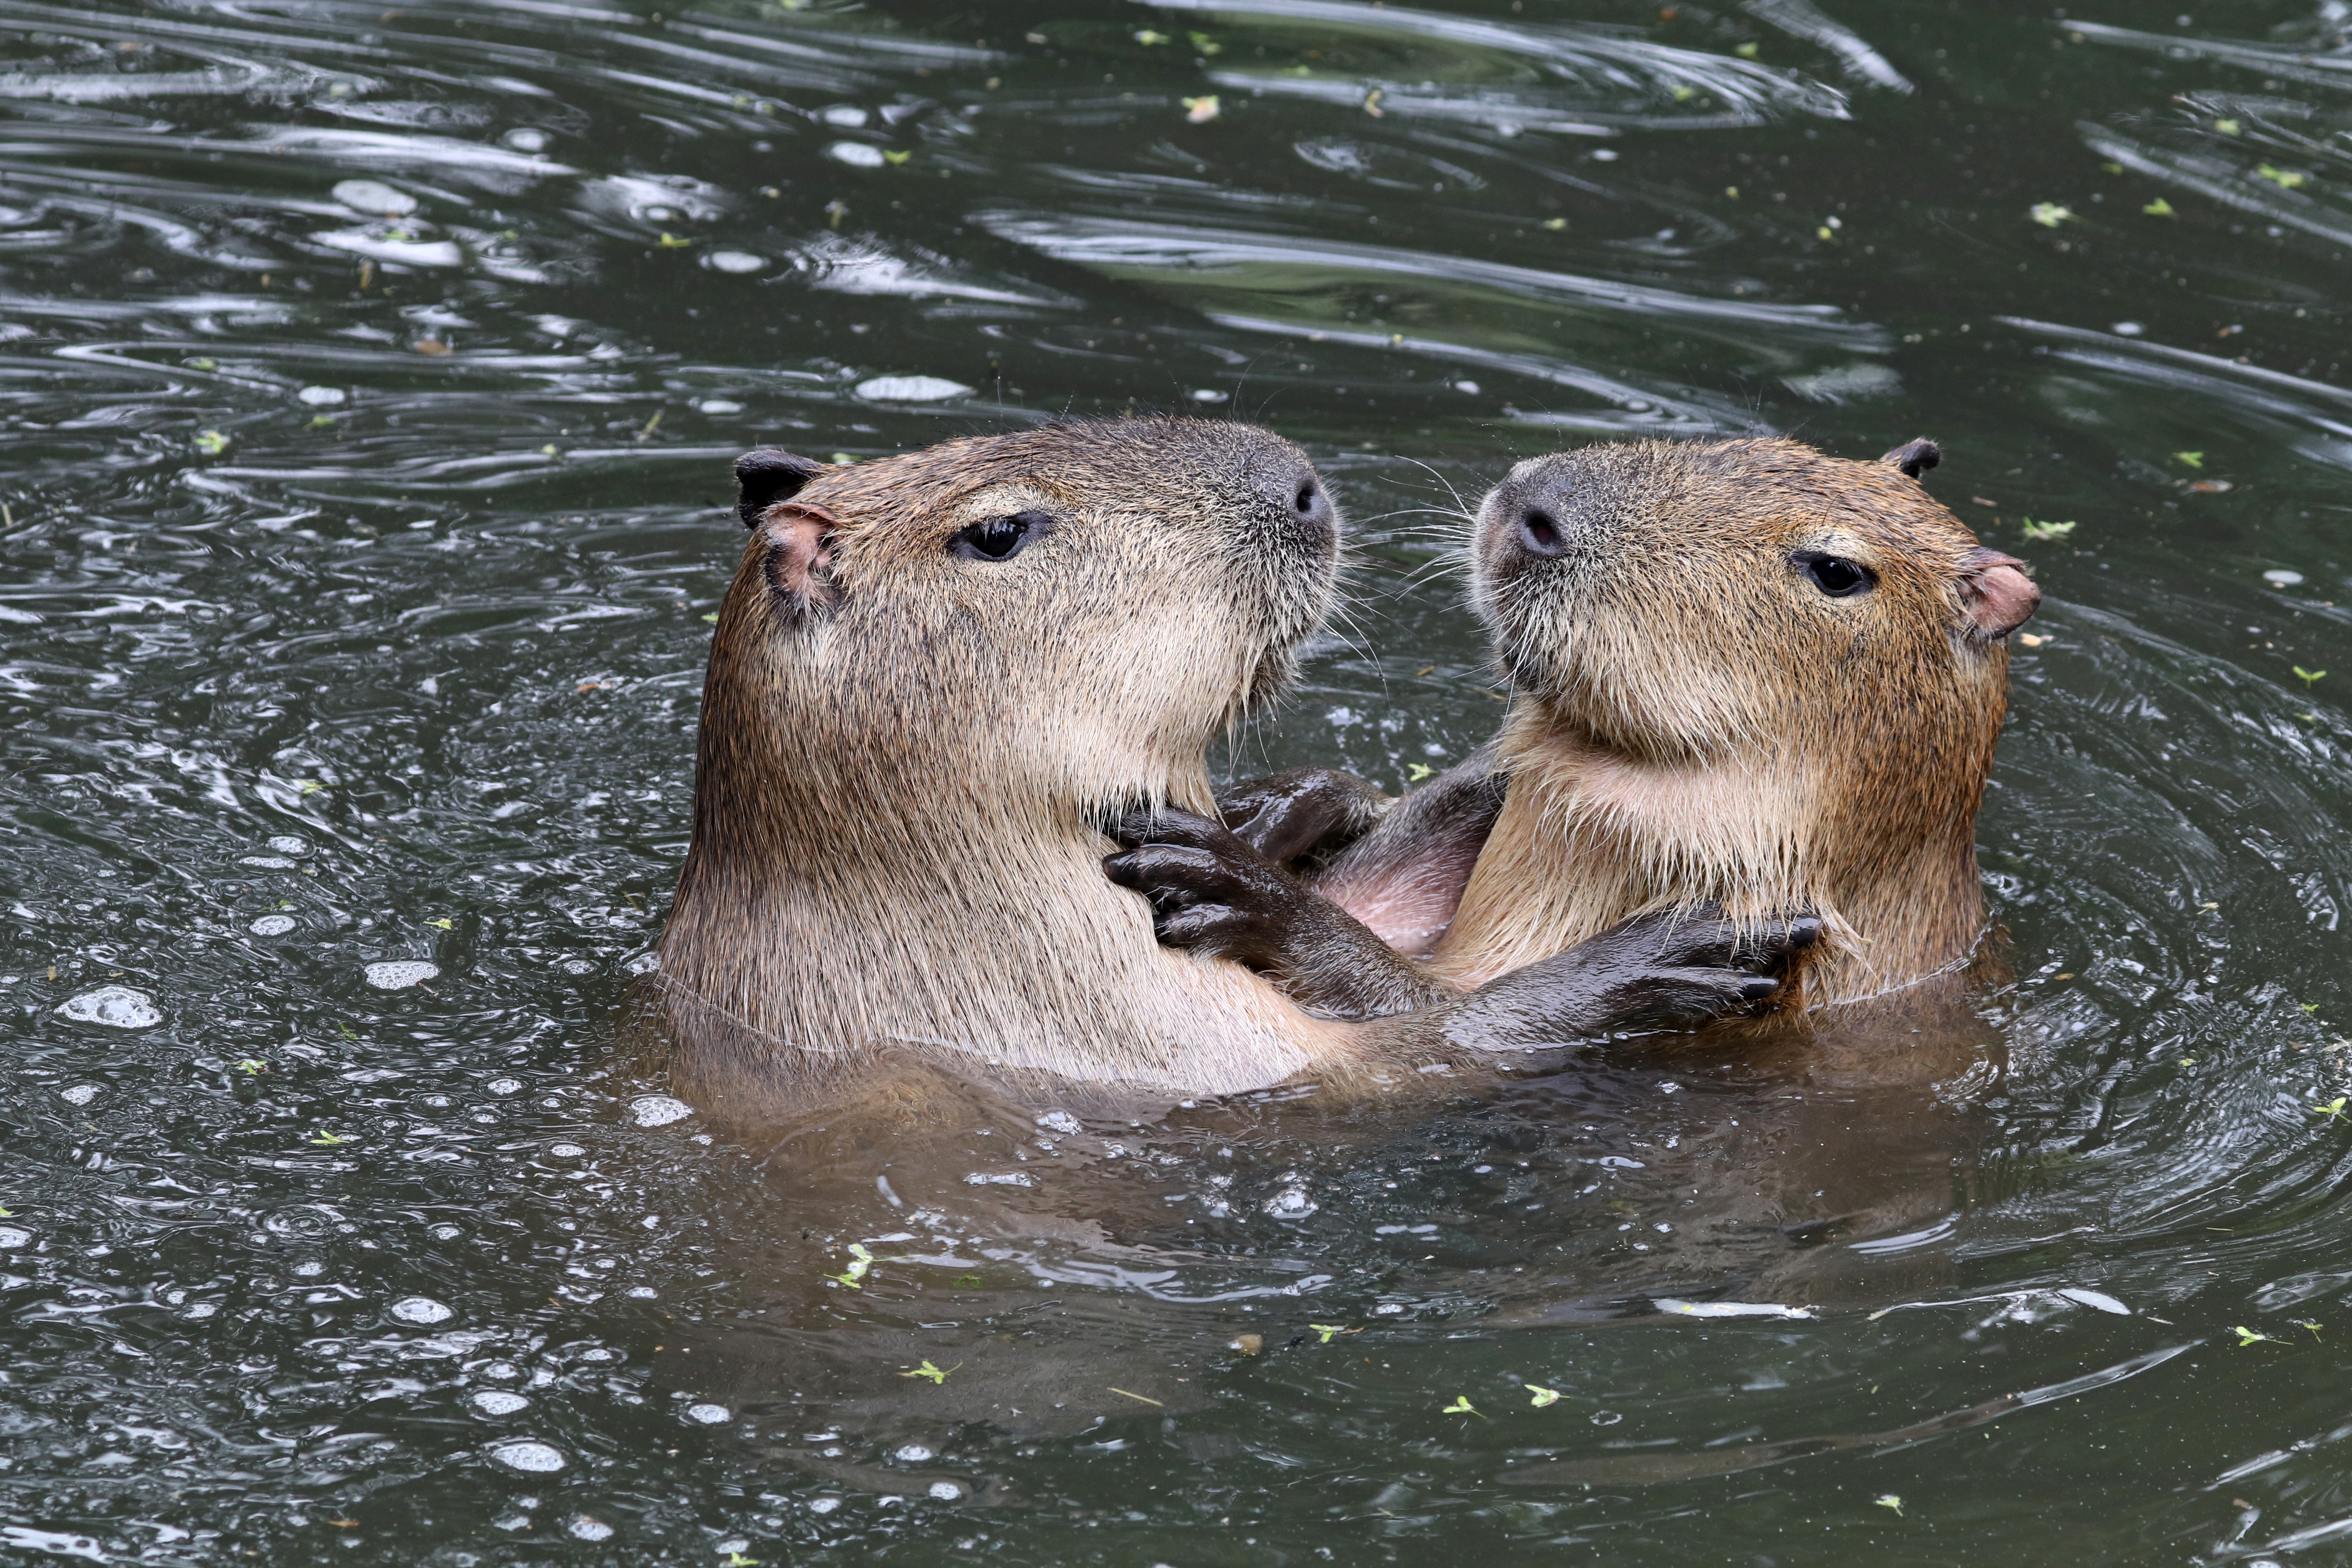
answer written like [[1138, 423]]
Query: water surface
[[368, 380]]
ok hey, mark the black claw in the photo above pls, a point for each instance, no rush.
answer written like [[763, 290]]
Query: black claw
[[1756, 987]]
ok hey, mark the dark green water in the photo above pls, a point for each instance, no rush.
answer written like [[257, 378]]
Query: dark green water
[[352, 594]]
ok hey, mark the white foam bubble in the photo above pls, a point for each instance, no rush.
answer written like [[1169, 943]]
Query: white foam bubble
[[735, 261], [2283, 578], [708, 1414], [80, 1094], [497, 1401], [911, 389], [116, 1006], [912, 1454], [316, 397], [10, 1238], [856, 154], [273, 925], [658, 1110], [375, 197], [946, 1491], [524, 139], [847, 115], [533, 1458], [420, 1309], [587, 1529], [398, 974]]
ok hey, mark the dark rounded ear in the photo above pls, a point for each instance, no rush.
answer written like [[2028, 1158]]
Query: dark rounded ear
[[768, 476], [1996, 596], [1914, 457]]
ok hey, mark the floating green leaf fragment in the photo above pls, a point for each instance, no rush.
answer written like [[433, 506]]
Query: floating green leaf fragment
[[2247, 1336], [860, 1260], [2113, 168], [712, 616], [445, 925], [307, 786], [2189, 459], [2044, 532], [1205, 44], [1146, 35], [2308, 676], [1888, 1500], [2049, 215], [253, 1064], [969, 1282], [1462, 1406], [1556, 224], [737, 1560], [2226, 127], [1201, 111], [2159, 208], [2189, 1061], [671, 242], [2333, 1108], [324, 1139], [347, 1031], [203, 365], [1416, 772], [2284, 179], [1748, 51], [320, 421], [7, 1214], [895, 156], [2307, 1323], [844, 457], [548, 450], [1542, 1395], [933, 1373], [2311, 1006], [1329, 1330], [1683, 94], [212, 443]]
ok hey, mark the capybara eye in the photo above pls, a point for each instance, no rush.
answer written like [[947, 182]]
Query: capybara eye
[[1835, 574], [1000, 538]]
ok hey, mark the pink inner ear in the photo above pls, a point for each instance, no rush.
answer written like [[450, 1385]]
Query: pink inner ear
[[799, 533], [1996, 595]]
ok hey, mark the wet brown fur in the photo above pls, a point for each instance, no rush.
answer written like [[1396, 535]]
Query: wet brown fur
[[906, 757], [1695, 721]]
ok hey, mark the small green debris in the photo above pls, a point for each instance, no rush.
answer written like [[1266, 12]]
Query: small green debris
[[319, 422], [1147, 36], [1825, 231], [1201, 111], [2049, 215], [2226, 127], [931, 1372], [1748, 51], [2189, 1061], [445, 925], [895, 156], [969, 1282], [1888, 1500], [347, 1032], [1541, 1395], [2041, 532], [1416, 772], [737, 1560], [253, 1064], [307, 786], [2189, 459], [2311, 1006], [2333, 1108], [1462, 1406], [2247, 1336], [2308, 676], [2159, 208], [211, 443], [2284, 179], [860, 1260], [325, 1140], [2113, 168], [203, 365], [7, 1214], [844, 458], [1683, 94], [669, 241], [1205, 44], [1557, 224], [712, 616], [2307, 1323], [1329, 1330], [548, 450]]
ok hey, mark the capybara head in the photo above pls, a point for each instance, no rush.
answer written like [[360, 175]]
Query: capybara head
[[1059, 610], [1777, 675]]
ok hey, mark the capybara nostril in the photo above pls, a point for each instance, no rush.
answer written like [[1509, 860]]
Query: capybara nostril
[[1311, 507], [1540, 533]]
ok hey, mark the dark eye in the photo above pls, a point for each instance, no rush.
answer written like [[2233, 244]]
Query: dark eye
[[1000, 538], [1835, 574]]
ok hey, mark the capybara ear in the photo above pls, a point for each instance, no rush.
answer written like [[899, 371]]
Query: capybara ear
[[1913, 458], [800, 541], [768, 476], [1996, 596]]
